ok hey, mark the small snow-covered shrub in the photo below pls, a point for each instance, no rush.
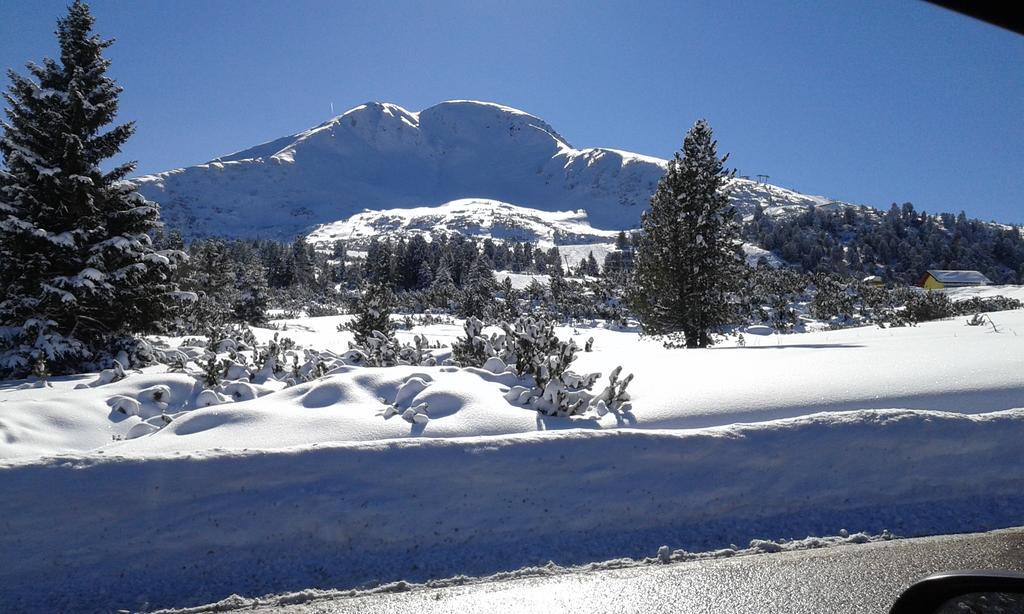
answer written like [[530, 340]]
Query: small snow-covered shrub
[[381, 350], [409, 389], [426, 319], [474, 349], [530, 348], [230, 338], [977, 319], [235, 368], [317, 310], [42, 372], [614, 396], [124, 405], [106, 376], [980, 319], [495, 365], [372, 314], [21, 347], [211, 371], [176, 361], [528, 345], [269, 362], [209, 398], [312, 367], [420, 353], [158, 394], [241, 391]]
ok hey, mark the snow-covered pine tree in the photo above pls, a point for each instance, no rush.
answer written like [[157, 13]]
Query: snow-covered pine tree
[[373, 313], [77, 265], [509, 308], [592, 267], [442, 289], [476, 299], [554, 262], [687, 264], [253, 296]]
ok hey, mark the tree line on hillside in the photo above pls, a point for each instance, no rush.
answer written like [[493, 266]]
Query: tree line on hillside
[[239, 279], [898, 245]]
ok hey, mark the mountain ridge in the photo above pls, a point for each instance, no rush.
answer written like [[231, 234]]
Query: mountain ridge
[[381, 156]]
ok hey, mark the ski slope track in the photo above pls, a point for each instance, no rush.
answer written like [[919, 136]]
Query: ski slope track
[[381, 156]]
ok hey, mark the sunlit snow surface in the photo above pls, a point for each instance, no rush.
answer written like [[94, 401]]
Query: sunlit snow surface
[[916, 430], [945, 366]]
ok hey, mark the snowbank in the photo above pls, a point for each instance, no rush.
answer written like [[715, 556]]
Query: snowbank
[[105, 531]]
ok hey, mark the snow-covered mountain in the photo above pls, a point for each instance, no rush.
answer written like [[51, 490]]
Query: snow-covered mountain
[[381, 156], [471, 217]]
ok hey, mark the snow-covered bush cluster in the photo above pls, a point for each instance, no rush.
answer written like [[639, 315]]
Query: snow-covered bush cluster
[[375, 343], [531, 349], [380, 350], [788, 301]]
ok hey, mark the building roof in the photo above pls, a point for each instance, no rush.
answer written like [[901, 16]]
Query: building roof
[[959, 277], [872, 278]]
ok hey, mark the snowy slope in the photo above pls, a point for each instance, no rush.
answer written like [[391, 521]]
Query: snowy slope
[[480, 219], [475, 218], [381, 156], [470, 217]]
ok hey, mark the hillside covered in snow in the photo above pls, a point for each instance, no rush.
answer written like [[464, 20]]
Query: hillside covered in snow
[[471, 217], [381, 156]]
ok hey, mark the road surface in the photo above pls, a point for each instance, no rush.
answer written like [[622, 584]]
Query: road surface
[[844, 579]]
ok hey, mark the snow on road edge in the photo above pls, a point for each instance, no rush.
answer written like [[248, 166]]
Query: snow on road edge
[[664, 556], [95, 532]]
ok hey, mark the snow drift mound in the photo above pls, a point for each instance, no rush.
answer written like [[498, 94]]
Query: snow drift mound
[[379, 155]]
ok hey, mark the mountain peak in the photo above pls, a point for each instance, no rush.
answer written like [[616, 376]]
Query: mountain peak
[[379, 155]]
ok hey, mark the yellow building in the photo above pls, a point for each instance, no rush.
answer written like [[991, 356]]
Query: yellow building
[[933, 279]]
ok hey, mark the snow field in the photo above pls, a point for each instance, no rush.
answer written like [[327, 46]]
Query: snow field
[[370, 476], [943, 365]]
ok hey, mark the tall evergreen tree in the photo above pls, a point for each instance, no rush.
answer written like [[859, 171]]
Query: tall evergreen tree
[[477, 296], [442, 289], [687, 264], [253, 297], [77, 265], [554, 262]]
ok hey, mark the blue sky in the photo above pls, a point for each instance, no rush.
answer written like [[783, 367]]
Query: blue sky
[[874, 102]]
